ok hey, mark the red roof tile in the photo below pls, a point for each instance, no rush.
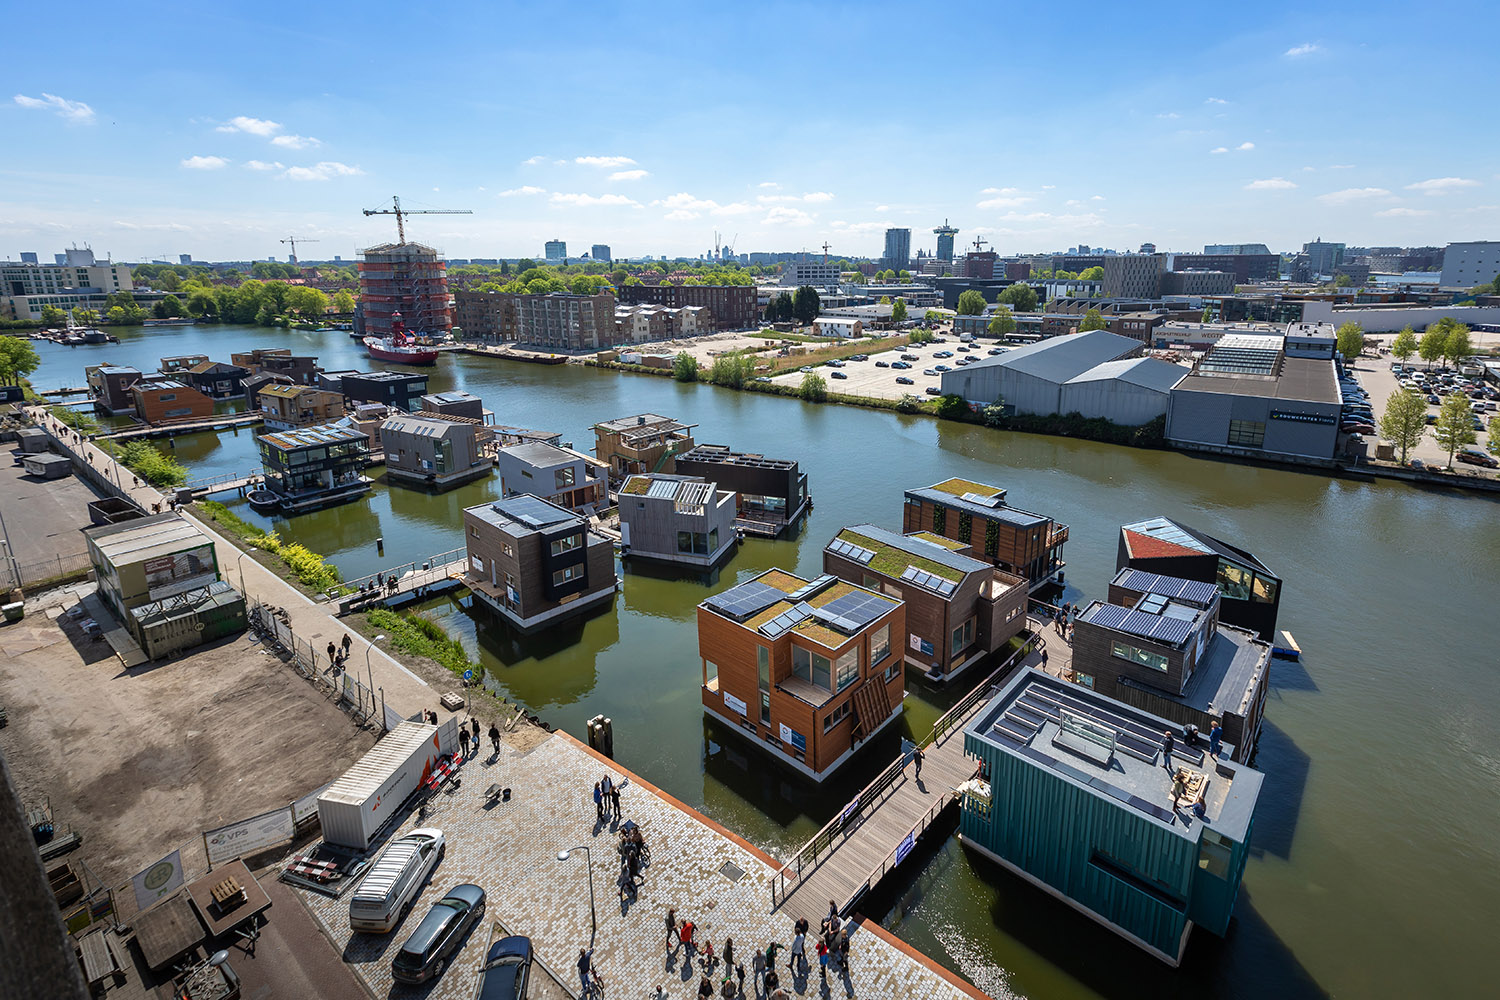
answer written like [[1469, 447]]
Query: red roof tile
[[1149, 547]]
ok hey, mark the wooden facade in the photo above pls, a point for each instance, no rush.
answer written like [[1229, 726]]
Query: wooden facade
[[769, 683], [163, 400], [1017, 541]]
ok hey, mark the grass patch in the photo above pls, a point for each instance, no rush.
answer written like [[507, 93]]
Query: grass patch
[[310, 569], [417, 636], [892, 562], [145, 461], [958, 487], [76, 419]]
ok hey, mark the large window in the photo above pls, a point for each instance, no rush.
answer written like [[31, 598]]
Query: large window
[[568, 544], [836, 716], [1144, 657], [963, 637], [1247, 433], [695, 542], [566, 574], [1234, 581], [1263, 590], [880, 643], [811, 667], [1214, 854], [564, 478], [846, 670]]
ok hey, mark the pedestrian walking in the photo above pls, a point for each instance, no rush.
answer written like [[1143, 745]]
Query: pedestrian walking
[[585, 970], [685, 937], [332, 653], [799, 953], [771, 950], [726, 991], [728, 954], [347, 643], [1166, 749], [495, 738], [917, 758], [758, 971], [844, 951], [463, 741], [705, 989], [607, 785], [671, 914], [599, 810], [739, 975], [823, 960], [474, 723], [614, 800], [1215, 739]]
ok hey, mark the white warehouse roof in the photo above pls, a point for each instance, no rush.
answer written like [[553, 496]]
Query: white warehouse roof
[[1148, 373]]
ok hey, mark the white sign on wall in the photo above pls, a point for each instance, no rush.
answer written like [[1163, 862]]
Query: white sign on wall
[[307, 806], [248, 836], [733, 703]]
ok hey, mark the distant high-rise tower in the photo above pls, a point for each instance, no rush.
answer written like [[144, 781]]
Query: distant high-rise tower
[[945, 234], [408, 278], [897, 249], [28, 257], [557, 252], [600, 252]]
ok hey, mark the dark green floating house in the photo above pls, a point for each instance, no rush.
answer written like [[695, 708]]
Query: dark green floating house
[[312, 467], [1075, 796]]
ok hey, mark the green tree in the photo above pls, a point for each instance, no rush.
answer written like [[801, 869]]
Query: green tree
[[1092, 320], [732, 370], [1493, 444], [1455, 424], [814, 389], [52, 315], [1351, 341], [1405, 344], [116, 316], [920, 336], [1021, 298], [898, 310], [1003, 323], [806, 305], [1343, 281], [85, 317], [307, 302], [971, 303], [1095, 273], [884, 300], [952, 407], [1434, 341], [1404, 421], [168, 307], [685, 367], [1207, 313], [200, 302], [343, 302], [18, 359], [1457, 346], [169, 281]]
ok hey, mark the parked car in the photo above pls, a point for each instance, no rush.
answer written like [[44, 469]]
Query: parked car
[[964, 349], [933, 390], [1473, 456], [929, 371], [1434, 399], [425, 954], [835, 363], [385, 894], [910, 357], [942, 368], [1432, 418], [882, 364], [900, 364], [762, 378], [943, 354], [1417, 464], [506, 970], [838, 374], [859, 357], [995, 350], [903, 380]]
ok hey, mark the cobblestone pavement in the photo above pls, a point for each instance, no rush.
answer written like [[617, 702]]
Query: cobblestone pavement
[[510, 848]]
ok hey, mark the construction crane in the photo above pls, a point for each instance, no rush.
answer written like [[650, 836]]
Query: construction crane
[[401, 213], [729, 247], [294, 241], [825, 253], [979, 242]]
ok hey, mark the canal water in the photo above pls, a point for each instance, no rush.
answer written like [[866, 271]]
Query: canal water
[[1376, 846]]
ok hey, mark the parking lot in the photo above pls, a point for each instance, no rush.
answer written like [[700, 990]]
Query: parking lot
[[1379, 381], [867, 378]]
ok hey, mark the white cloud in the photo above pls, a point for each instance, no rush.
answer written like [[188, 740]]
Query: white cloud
[[261, 165], [295, 141], [772, 199], [1004, 202], [1402, 212], [681, 215], [1004, 191], [1442, 185], [683, 200], [1048, 187], [255, 126], [814, 197], [771, 185], [611, 162], [629, 175], [783, 216], [1219, 149], [1097, 197], [1305, 49], [1072, 203], [1245, 146], [586, 200], [1341, 166], [735, 208], [882, 208], [1215, 100], [1270, 184], [324, 171], [1168, 114], [532, 161], [205, 162], [1347, 195], [524, 189], [173, 227], [73, 111]]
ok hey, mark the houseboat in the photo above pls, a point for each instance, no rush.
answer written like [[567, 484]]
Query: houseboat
[[314, 467]]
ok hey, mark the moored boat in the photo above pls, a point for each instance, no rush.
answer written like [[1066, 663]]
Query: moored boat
[[400, 347]]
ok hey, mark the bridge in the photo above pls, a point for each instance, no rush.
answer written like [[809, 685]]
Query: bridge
[[431, 574], [880, 826], [240, 482], [185, 426]]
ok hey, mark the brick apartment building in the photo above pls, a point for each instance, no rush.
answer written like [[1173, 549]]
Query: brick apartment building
[[730, 307]]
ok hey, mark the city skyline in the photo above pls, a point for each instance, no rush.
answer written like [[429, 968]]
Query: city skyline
[[600, 131]]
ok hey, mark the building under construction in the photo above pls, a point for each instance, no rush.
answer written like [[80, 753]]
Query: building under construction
[[408, 278]]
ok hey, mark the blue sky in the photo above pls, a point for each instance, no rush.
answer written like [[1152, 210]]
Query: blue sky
[[190, 129]]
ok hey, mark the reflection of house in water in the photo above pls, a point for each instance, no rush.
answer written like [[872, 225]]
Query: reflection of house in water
[[1251, 592], [772, 492]]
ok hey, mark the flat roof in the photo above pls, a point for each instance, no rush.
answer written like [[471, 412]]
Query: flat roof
[[525, 515], [856, 537], [289, 391], [826, 610], [383, 376], [1305, 379], [453, 396], [420, 424], [540, 454], [155, 384], [720, 454], [1142, 582], [1148, 373], [1225, 678], [998, 511], [1113, 751], [313, 437], [135, 541], [1061, 358]]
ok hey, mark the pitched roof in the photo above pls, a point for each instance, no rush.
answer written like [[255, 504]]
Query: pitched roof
[[1058, 359], [1148, 547]]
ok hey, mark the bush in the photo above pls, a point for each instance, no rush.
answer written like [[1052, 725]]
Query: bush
[[908, 404], [418, 636], [814, 389], [685, 367], [151, 465], [310, 569], [953, 407], [76, 419]]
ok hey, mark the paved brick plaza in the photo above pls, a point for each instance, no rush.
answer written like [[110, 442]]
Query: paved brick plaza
[[510, 849]]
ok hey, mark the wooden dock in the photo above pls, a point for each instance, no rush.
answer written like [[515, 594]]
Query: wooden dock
[[217, 423], [876, 831], [437, 573]]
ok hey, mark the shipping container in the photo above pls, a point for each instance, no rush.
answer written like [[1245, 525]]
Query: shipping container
[[354, 808]]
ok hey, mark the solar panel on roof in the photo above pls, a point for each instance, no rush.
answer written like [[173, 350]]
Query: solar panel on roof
[[855, 610], [983, 501], [1167, 630], [531, 511], [746, 599], [662, 489], [787, 619], [849, 550], [1194, 591], [812, 587]]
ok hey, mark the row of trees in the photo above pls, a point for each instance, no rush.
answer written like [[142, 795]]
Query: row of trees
[[1447, 341], [803, 306], [1404, 423]]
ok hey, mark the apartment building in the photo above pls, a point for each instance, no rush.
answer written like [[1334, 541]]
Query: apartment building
[[730, 307], [1134, 275]]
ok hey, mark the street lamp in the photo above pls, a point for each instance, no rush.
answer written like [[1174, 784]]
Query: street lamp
[[238, 564], [370, 675], [593, 914]]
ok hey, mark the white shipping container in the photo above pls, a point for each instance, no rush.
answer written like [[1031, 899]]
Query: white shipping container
[[359, 803]]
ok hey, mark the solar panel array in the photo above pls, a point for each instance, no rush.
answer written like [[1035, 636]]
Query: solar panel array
[[849, 550], [694, 494], [854, 611], [819, 583], [1167, 531], [1142, 582], [931, 581], [532, 511], [1162, 629], [745, 600], [984, 501], [787, 619]]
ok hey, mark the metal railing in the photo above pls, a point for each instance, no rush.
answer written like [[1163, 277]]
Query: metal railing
[[422, 571], [895, 857], [361, 703], [207, 485], [14, 573], [826, 838]]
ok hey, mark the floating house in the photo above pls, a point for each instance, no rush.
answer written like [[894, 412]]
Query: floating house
[[772, 492], [289, 406], [159, 400], [398, 390], [676, 519], [558, 475], [809, 670], [109, 385], [1251, 593], [1079, 795], [958, 609], [300, 368], [1018, 541], [644, 443], [425, 449], [534, 562], [216, 379], [313, 467]]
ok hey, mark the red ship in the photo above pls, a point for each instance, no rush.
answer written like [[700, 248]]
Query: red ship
[[399, 347]]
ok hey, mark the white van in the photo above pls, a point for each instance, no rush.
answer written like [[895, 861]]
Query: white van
[[387, 892]]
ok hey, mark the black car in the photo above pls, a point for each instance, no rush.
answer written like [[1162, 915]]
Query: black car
[[507, 967], [425, 954], [903, 380]]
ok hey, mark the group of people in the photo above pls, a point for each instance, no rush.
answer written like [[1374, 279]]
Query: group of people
[[467, 740], [633, 855], [1062, 621], [379, 585], [607, 799], [338, 653], [831, 947]]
